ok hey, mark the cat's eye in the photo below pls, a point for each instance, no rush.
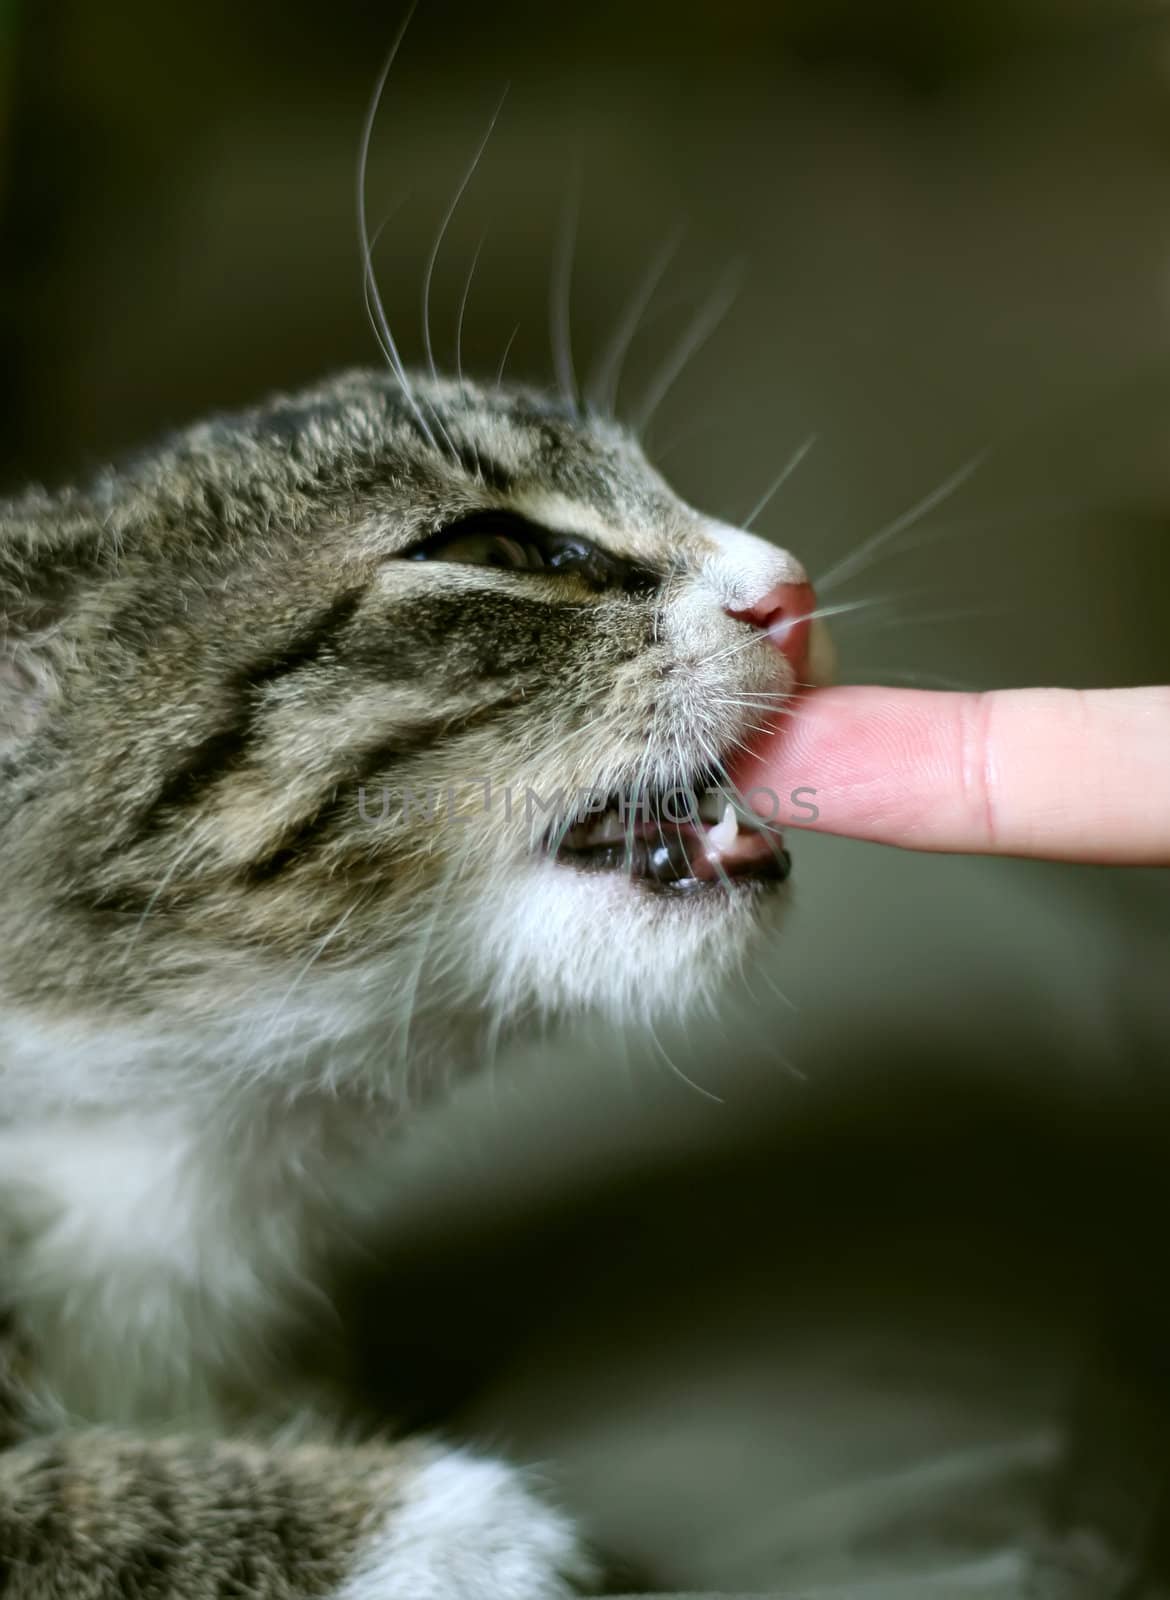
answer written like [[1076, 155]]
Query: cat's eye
[[484, 550], [504, 539]]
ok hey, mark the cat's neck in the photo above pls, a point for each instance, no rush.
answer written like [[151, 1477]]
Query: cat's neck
[[169, 1188], [341, 1037], [154, 1252]]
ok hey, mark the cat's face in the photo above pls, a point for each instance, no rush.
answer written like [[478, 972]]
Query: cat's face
[[317, 701]]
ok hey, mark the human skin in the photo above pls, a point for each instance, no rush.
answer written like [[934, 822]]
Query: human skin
[[1059, 774]]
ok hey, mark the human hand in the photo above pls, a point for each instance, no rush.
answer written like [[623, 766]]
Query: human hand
[[1062, 774]]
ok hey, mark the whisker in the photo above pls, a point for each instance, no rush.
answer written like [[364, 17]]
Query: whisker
[[789, 1004], [1023, 511], [853, 563], [844, 607], [732, 793], [964, 614], [446, 223], [786, 472], [703, 325], [756, 637], [677, 439], [749, 697], [760, 697], [382, 345], [463, 309], [602, 389], [560, 296], [380, 321], [934, 533], [504, 357], [731, 741], [748, 727], [677, 1070], [734, 702], [721, 870]]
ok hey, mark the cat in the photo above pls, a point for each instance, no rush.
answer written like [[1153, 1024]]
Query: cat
[[290, 707]]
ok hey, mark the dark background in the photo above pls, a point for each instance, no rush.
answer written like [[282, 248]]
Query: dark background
[[930, 1182]]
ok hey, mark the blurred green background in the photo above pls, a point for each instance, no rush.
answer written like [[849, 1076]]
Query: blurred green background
[[821, 1320]]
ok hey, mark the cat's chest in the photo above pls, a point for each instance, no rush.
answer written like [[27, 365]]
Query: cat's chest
[[153, 1259]]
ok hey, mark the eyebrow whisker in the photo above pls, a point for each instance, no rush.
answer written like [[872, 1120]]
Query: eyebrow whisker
[[602, 389], [446, 223], [504, 357], [377, 311], [463, 309], [560, 296], [708, 317]]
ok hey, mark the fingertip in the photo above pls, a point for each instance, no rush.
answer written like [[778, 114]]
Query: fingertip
[[881, 764]]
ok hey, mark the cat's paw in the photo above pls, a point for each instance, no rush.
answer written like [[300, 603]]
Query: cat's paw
[[468, 1528]]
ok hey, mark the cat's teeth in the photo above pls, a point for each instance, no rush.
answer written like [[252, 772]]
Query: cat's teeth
[[608, 829], [723, 835]]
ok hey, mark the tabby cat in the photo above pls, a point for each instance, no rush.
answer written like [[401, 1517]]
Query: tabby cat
[[336, 737]]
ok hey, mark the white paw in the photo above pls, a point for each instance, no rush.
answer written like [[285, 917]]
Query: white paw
[[467, 1528]]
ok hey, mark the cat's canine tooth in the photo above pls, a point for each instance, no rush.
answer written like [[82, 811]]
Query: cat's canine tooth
[[723, 835]]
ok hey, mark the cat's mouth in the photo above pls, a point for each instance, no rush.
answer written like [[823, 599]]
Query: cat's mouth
[[682, 840]]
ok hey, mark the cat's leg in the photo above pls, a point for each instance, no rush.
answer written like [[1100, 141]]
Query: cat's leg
[[109, 1516]]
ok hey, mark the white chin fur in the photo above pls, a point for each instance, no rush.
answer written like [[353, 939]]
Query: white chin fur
[[561, 939]]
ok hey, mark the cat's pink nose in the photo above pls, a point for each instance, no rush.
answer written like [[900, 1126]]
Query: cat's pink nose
[[784, 615]]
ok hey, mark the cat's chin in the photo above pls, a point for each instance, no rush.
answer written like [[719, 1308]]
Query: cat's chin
[[568, 940]]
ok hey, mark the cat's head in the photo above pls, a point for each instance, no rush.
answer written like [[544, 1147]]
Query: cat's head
[[299, 708]]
